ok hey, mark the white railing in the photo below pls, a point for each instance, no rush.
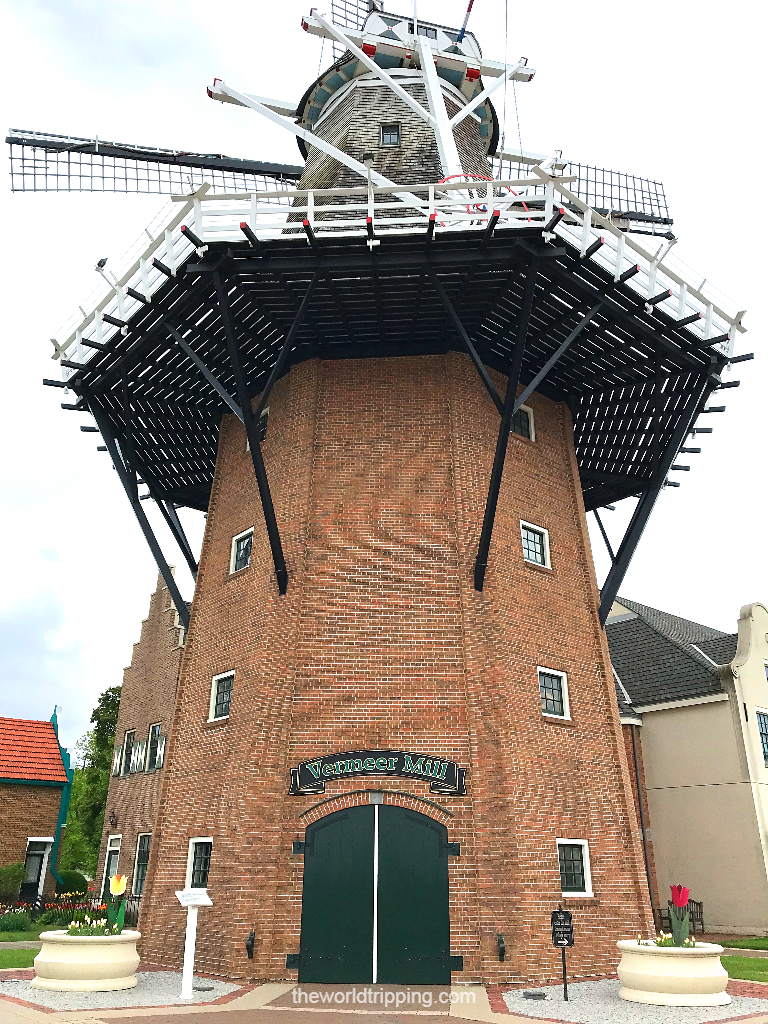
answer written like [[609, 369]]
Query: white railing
[[343, 212]]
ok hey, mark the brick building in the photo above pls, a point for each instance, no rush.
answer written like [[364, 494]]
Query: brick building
[[396, 744], [35, 784], [147, 701]]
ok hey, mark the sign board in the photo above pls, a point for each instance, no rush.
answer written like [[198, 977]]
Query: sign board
[[443, 776], [194, 898], [562, 928]]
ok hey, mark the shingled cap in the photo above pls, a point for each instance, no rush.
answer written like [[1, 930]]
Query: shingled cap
[[29, 751]]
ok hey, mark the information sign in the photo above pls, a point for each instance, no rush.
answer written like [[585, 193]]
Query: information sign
[[562, 928]]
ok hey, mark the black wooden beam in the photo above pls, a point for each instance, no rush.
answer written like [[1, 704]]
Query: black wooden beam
[[479, 366], [645, 505], [193, 356], [111, 442], [556, 355], [481, 561], [285, 351], [252, 433], [174, 525], [605, 535]]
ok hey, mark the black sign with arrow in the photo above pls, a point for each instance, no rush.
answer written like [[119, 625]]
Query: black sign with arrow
[[562, 936]]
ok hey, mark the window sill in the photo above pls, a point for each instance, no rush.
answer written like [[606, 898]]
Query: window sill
[[557, 720], [237, 572], [536, 567], [213, 723], [580, 899]]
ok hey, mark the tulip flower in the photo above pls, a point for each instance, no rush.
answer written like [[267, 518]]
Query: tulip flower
[[117, 884], [680, 895]]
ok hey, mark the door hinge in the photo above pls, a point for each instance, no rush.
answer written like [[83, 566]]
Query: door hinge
[[456, 963], [454, 849], [292, 961], [298, 847]]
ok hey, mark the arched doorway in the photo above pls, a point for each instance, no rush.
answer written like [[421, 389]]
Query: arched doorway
[[375, 900]]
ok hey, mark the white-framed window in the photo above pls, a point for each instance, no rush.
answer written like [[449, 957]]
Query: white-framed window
[[390, 134], [140, 864], [575, 872], [221, 696], [153, 746], [553, 692], [198, 862], [535, 544], [522, 423], [111, 861], [240, 556], [35, 866], [128, 752]]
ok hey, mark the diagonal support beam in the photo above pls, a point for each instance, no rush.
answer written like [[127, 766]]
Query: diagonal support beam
[[110, 440], [645, 505], [605, 535], [174, 525], [467, 341], [285, 351], [252, 433], [481, 561], [195, 358], [557, 355]]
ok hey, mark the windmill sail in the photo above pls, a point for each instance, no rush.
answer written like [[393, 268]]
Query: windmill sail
[[41, 162]]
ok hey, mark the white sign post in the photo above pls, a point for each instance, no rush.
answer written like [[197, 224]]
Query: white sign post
[[191, 899]]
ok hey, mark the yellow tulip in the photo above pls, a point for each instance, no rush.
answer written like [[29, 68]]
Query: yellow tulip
[[117, 884]]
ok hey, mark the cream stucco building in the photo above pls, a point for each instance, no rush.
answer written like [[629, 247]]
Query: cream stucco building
[[694, 701]]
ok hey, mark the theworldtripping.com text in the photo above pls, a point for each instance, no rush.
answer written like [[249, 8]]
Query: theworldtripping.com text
[[377, 995]]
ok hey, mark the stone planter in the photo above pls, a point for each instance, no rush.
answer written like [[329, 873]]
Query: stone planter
[[672, 975], [86, 963]]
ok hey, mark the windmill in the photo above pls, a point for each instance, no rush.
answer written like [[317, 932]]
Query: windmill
[[251, 354]]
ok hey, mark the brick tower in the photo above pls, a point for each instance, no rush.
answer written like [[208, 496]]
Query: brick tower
[[396, 745]]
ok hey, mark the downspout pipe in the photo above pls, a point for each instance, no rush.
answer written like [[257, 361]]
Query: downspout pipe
[[66, 793], [646, 856]]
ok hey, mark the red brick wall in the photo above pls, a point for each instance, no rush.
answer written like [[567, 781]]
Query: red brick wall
[[27, 811], [627, 730], [379, 471], [148, 696]]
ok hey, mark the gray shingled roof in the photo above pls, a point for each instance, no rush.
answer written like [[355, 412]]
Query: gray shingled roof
[[661, 657]]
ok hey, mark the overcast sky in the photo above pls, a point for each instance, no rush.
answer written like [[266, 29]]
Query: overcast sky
[[673, 91]]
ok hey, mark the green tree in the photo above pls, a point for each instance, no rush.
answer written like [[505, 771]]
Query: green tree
[[85, 820]]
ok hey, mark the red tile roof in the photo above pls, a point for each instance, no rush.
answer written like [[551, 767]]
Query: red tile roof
[[30, 750]]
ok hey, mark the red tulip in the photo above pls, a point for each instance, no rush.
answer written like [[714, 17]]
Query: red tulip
[[680, 895]]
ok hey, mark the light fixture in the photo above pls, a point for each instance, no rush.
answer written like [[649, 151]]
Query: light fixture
[[112, 820]]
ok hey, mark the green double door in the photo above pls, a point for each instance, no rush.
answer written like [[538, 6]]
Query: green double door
[[375, 900]]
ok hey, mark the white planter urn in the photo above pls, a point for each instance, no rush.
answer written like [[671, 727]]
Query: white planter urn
[[86, 963], [672, 975]]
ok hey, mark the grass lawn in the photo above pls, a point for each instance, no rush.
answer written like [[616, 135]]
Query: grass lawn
[[17, 958], [761, 942], [747, 968], [32, 935]]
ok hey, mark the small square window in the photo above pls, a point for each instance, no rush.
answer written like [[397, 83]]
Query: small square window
[[240, 556], [553, 691], [221, 695], [390, 135], [199, 863], [575, 874], [535, 544], [762, 725], [522, 423]]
